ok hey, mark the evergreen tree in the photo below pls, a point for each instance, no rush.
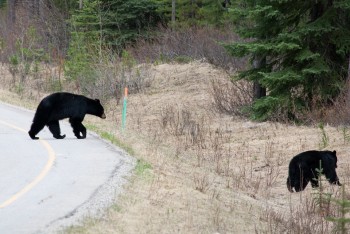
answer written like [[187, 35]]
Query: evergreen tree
[[196, 12], [304, 46], [87, 21], [214, 12], [127, 20], [85, 38], [116, 22], [2, 3], [66, 7]]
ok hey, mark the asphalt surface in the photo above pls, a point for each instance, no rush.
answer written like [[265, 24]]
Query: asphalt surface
[[49, 184]]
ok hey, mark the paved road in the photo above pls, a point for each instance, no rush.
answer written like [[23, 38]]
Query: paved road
[[48, 184]]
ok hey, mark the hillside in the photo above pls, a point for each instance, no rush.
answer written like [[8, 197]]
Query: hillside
[[202, 171]]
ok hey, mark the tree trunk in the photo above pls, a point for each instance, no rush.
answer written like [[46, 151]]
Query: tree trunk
[[11, 12], [173, 11], [258, 90], [225, 4], [36, 7], [348, 87]]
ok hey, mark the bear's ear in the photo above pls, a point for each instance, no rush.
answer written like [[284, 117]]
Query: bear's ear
[[334, 152], [97, 100]]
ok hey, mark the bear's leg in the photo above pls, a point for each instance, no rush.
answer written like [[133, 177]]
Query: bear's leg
[[83, 130], [314, 182], [54, 128], [78, 128], [301, 185], [35, 129], [332, 177], [75, 125], [301, 179], [313, 176], [331, 174], [305, 183], [289, 185]]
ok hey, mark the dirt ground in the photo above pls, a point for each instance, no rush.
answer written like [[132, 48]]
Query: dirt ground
[[199, 170]]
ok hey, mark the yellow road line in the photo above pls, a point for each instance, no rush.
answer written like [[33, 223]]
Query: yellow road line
[[42, 174]]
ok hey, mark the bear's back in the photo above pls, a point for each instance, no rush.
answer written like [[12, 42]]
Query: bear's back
[[312, 158]]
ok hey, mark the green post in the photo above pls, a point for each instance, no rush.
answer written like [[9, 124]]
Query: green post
[[124, 109]]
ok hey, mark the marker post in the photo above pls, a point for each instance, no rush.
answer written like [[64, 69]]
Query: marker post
[[124, 109]]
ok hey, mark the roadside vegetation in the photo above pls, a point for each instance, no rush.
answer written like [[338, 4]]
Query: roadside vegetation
[[220, 99]]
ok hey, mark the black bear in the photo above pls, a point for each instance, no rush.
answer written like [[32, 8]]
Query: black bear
[[63, 105], [302, 169]]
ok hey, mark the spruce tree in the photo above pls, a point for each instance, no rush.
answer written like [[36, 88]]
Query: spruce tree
[[116, 22], [128, 20], [304, 46], [2, 3], [196, 12]]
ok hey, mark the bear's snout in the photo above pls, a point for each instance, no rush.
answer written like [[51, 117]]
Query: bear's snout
[[103, 116]]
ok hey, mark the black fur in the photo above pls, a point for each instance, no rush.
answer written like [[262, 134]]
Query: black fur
[[58, 106], [302, 169]]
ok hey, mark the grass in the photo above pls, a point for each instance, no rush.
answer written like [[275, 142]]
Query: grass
[[111, 138], [209, 172], [342, 220], [142, 168], [324, 137]]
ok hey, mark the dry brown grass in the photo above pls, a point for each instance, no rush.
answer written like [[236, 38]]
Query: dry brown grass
[[211, 172]]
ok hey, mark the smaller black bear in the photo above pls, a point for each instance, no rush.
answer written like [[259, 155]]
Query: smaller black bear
[[302, 169], [58, 106]]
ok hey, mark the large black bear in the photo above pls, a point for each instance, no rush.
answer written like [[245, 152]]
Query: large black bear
[[63, 105], [302, 169]]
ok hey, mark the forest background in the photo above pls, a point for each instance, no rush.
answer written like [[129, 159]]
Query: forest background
[[298, 52]]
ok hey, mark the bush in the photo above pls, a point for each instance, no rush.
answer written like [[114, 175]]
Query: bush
[[232, 97], [197, 43]]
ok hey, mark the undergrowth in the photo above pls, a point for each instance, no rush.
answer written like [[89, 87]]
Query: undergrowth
[[111, 138]]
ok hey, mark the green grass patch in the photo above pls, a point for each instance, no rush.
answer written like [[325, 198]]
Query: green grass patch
[[142, 167], [83, 228], [110, 137], [183, 59]]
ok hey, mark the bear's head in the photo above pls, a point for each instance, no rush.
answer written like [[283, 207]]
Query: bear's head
[[99, 109], [330, 163], [334, 155], [332, 158]]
